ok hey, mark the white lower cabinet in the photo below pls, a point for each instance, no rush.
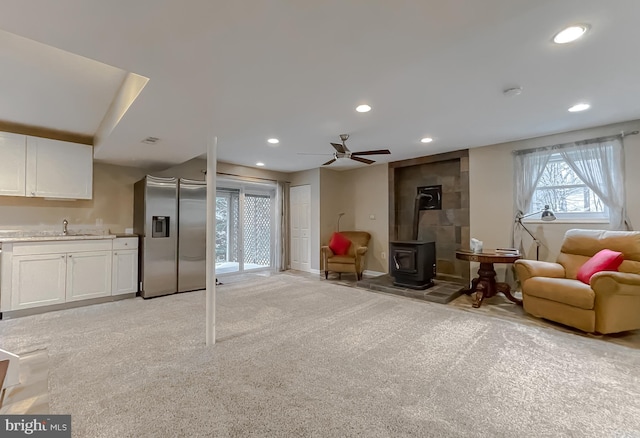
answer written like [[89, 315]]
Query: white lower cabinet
[[38, 280], [124, 277], [38, 274], [88, 275]]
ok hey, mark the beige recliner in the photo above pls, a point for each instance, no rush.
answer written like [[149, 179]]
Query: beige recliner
[[353, 261], [610, 304]]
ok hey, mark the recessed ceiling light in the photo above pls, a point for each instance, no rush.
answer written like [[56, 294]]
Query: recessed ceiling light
[[570, 34], [259, 164], [363, 108], [579, 107], [426, 140], [273, 141]]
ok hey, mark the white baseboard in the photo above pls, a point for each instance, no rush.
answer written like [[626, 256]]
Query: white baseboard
[[365, 273], [310, 270]]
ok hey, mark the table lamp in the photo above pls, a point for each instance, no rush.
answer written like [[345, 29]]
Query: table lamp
[[547, 216]]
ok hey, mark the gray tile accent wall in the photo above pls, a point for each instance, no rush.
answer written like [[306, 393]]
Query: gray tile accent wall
[[448, 227]]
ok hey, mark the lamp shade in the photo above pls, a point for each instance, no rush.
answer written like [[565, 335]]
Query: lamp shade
[[547, 214]]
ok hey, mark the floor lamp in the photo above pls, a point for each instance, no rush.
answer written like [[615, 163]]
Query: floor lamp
[[338, 226], [547, 216]]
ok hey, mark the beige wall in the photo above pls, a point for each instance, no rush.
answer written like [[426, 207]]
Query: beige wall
[[491, 190], [234, 169], [369, 196], [335, 197], [358, 193], [112, 203], [311, 178], [365, 191], [193, 169]]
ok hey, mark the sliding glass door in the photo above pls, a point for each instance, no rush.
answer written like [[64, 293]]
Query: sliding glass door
[[227, 231], [257, 235], [245, 230]]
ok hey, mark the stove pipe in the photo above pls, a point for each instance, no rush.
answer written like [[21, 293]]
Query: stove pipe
[[416, 213]]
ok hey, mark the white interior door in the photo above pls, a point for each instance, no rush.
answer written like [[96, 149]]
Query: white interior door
[[300, 208]]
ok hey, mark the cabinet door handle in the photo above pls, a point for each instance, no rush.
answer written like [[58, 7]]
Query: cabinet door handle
[[61, 256], [70, 256], [115, 253]]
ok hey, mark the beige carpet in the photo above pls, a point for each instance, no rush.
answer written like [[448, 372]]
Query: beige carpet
[[298, 357]]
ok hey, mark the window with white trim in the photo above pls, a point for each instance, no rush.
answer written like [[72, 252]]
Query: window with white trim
[[567, 195]]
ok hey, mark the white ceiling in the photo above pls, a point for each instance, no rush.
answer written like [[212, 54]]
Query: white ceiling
[[249, 70]]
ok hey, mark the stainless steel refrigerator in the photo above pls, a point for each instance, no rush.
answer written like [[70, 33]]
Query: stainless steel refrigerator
[[170, 216], [192, 234], [155, 220]]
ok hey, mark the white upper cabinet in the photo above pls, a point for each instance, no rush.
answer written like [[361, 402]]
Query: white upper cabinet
[[58, 169], [12, 164]]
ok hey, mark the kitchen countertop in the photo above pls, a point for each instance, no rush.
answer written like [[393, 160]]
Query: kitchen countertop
[[43, 236], [118, 235]]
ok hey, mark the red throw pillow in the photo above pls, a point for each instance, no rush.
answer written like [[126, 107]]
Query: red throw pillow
[[339, 244], [605, 260]]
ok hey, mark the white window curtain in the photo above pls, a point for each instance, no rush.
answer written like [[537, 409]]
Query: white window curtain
[[282, 233], [600, 164], [528, 170]]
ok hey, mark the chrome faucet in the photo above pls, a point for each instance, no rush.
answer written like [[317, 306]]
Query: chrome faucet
[[64, 227]]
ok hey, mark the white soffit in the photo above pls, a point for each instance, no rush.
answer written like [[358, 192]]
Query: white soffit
[[50, 88]]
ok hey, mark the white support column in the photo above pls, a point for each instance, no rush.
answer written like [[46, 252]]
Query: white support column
[[212, 146]]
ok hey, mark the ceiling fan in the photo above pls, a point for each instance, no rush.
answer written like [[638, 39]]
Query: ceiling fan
[[343, 152]]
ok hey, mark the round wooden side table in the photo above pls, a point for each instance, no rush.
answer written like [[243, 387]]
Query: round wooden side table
[[485, 285]]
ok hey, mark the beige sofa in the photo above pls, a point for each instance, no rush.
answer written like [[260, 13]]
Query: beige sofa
[[353, 261], [610, 304]]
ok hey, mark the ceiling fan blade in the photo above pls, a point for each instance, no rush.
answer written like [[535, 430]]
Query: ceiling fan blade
[[376, 152], [362, 160], [329, 162], [340, 148]]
